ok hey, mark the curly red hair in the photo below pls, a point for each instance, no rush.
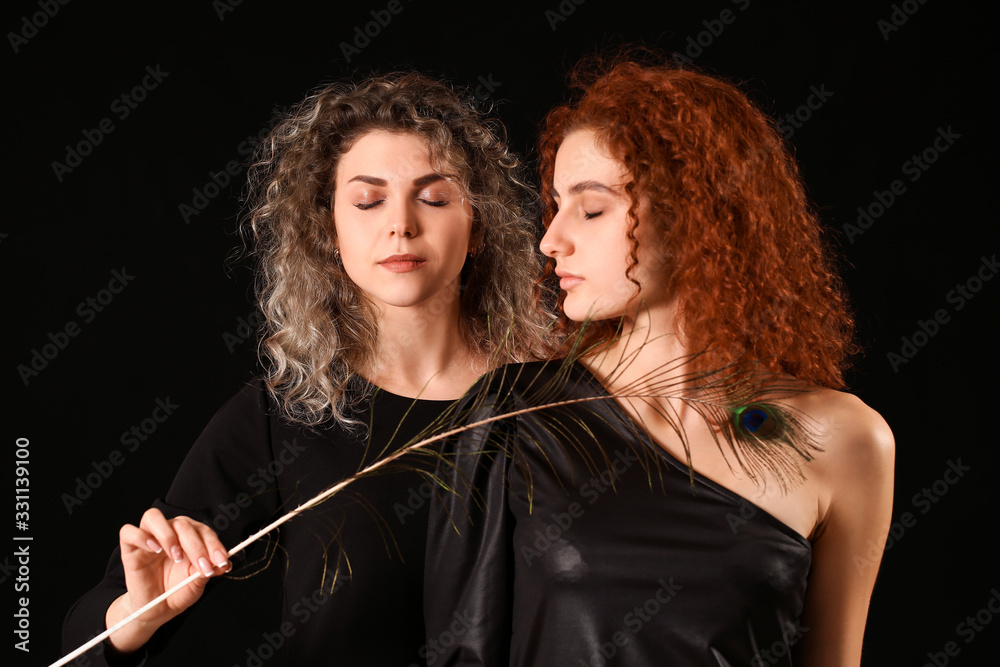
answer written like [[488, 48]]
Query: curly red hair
[[742, 249]]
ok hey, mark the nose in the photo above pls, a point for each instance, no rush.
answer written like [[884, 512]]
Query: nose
[[403, 220], [555, 241]]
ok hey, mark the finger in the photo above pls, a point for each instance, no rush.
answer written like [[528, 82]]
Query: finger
[[163, 533], [219, 553], [132, 537], [193, 544]]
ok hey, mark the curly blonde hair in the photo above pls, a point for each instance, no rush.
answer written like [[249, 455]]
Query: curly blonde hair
[[321, 328]]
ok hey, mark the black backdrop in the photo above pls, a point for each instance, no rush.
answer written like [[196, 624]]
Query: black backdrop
[[865, 92]]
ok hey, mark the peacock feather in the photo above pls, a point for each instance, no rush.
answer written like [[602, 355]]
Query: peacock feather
[[746, 411]]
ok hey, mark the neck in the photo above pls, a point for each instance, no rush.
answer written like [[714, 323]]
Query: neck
[[648, 345], [421, 351]]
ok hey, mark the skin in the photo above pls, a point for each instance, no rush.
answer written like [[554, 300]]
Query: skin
[[389, 200], [844, 504]]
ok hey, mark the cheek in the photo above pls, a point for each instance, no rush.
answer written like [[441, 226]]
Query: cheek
[[352, 268], [613, 285], [653, 265], [454, 238], [621, 288], [353, 236], [617, 255]]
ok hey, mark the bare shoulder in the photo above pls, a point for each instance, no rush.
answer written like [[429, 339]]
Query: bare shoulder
[[845, 425], [857, 445]]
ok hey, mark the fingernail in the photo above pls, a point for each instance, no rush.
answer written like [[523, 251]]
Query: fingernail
[[206, 567], [220, 558], [154, 546], [176, 554]]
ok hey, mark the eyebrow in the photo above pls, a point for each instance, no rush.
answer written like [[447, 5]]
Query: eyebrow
[[584, 186], [427, 180], [381, 182]]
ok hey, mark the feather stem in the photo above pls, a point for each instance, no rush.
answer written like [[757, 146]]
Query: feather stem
[[717, 389]]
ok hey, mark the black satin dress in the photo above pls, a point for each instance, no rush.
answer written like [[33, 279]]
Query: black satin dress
[[584, 543]]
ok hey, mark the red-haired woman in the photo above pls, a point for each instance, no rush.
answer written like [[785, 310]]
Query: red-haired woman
[[708, 496]]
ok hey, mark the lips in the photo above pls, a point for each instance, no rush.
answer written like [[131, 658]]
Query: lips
[[402, 263], [567, 279]]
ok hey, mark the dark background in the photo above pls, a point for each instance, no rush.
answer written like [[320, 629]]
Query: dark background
[[165, 334]]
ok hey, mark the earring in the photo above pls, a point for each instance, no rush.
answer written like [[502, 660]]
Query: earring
[[473, 253], [336, 255]]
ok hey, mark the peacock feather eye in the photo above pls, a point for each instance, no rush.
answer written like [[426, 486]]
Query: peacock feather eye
[[755, 420]]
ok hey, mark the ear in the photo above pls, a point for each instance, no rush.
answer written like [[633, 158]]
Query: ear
[[477, 236]]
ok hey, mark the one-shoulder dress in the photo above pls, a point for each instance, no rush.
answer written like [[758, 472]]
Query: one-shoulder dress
[[572, 539]]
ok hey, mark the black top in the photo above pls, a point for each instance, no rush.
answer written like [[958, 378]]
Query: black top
[[597, 548], [245, 468]]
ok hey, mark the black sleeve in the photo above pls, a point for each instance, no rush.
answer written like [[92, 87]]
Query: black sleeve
[[469, 568], [219, 484]]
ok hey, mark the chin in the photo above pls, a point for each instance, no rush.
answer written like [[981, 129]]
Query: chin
[[592, 312], [578, 313]]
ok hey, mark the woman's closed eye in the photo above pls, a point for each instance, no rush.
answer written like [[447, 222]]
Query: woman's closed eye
[[437, 197], [591, 216], [434, 201]]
